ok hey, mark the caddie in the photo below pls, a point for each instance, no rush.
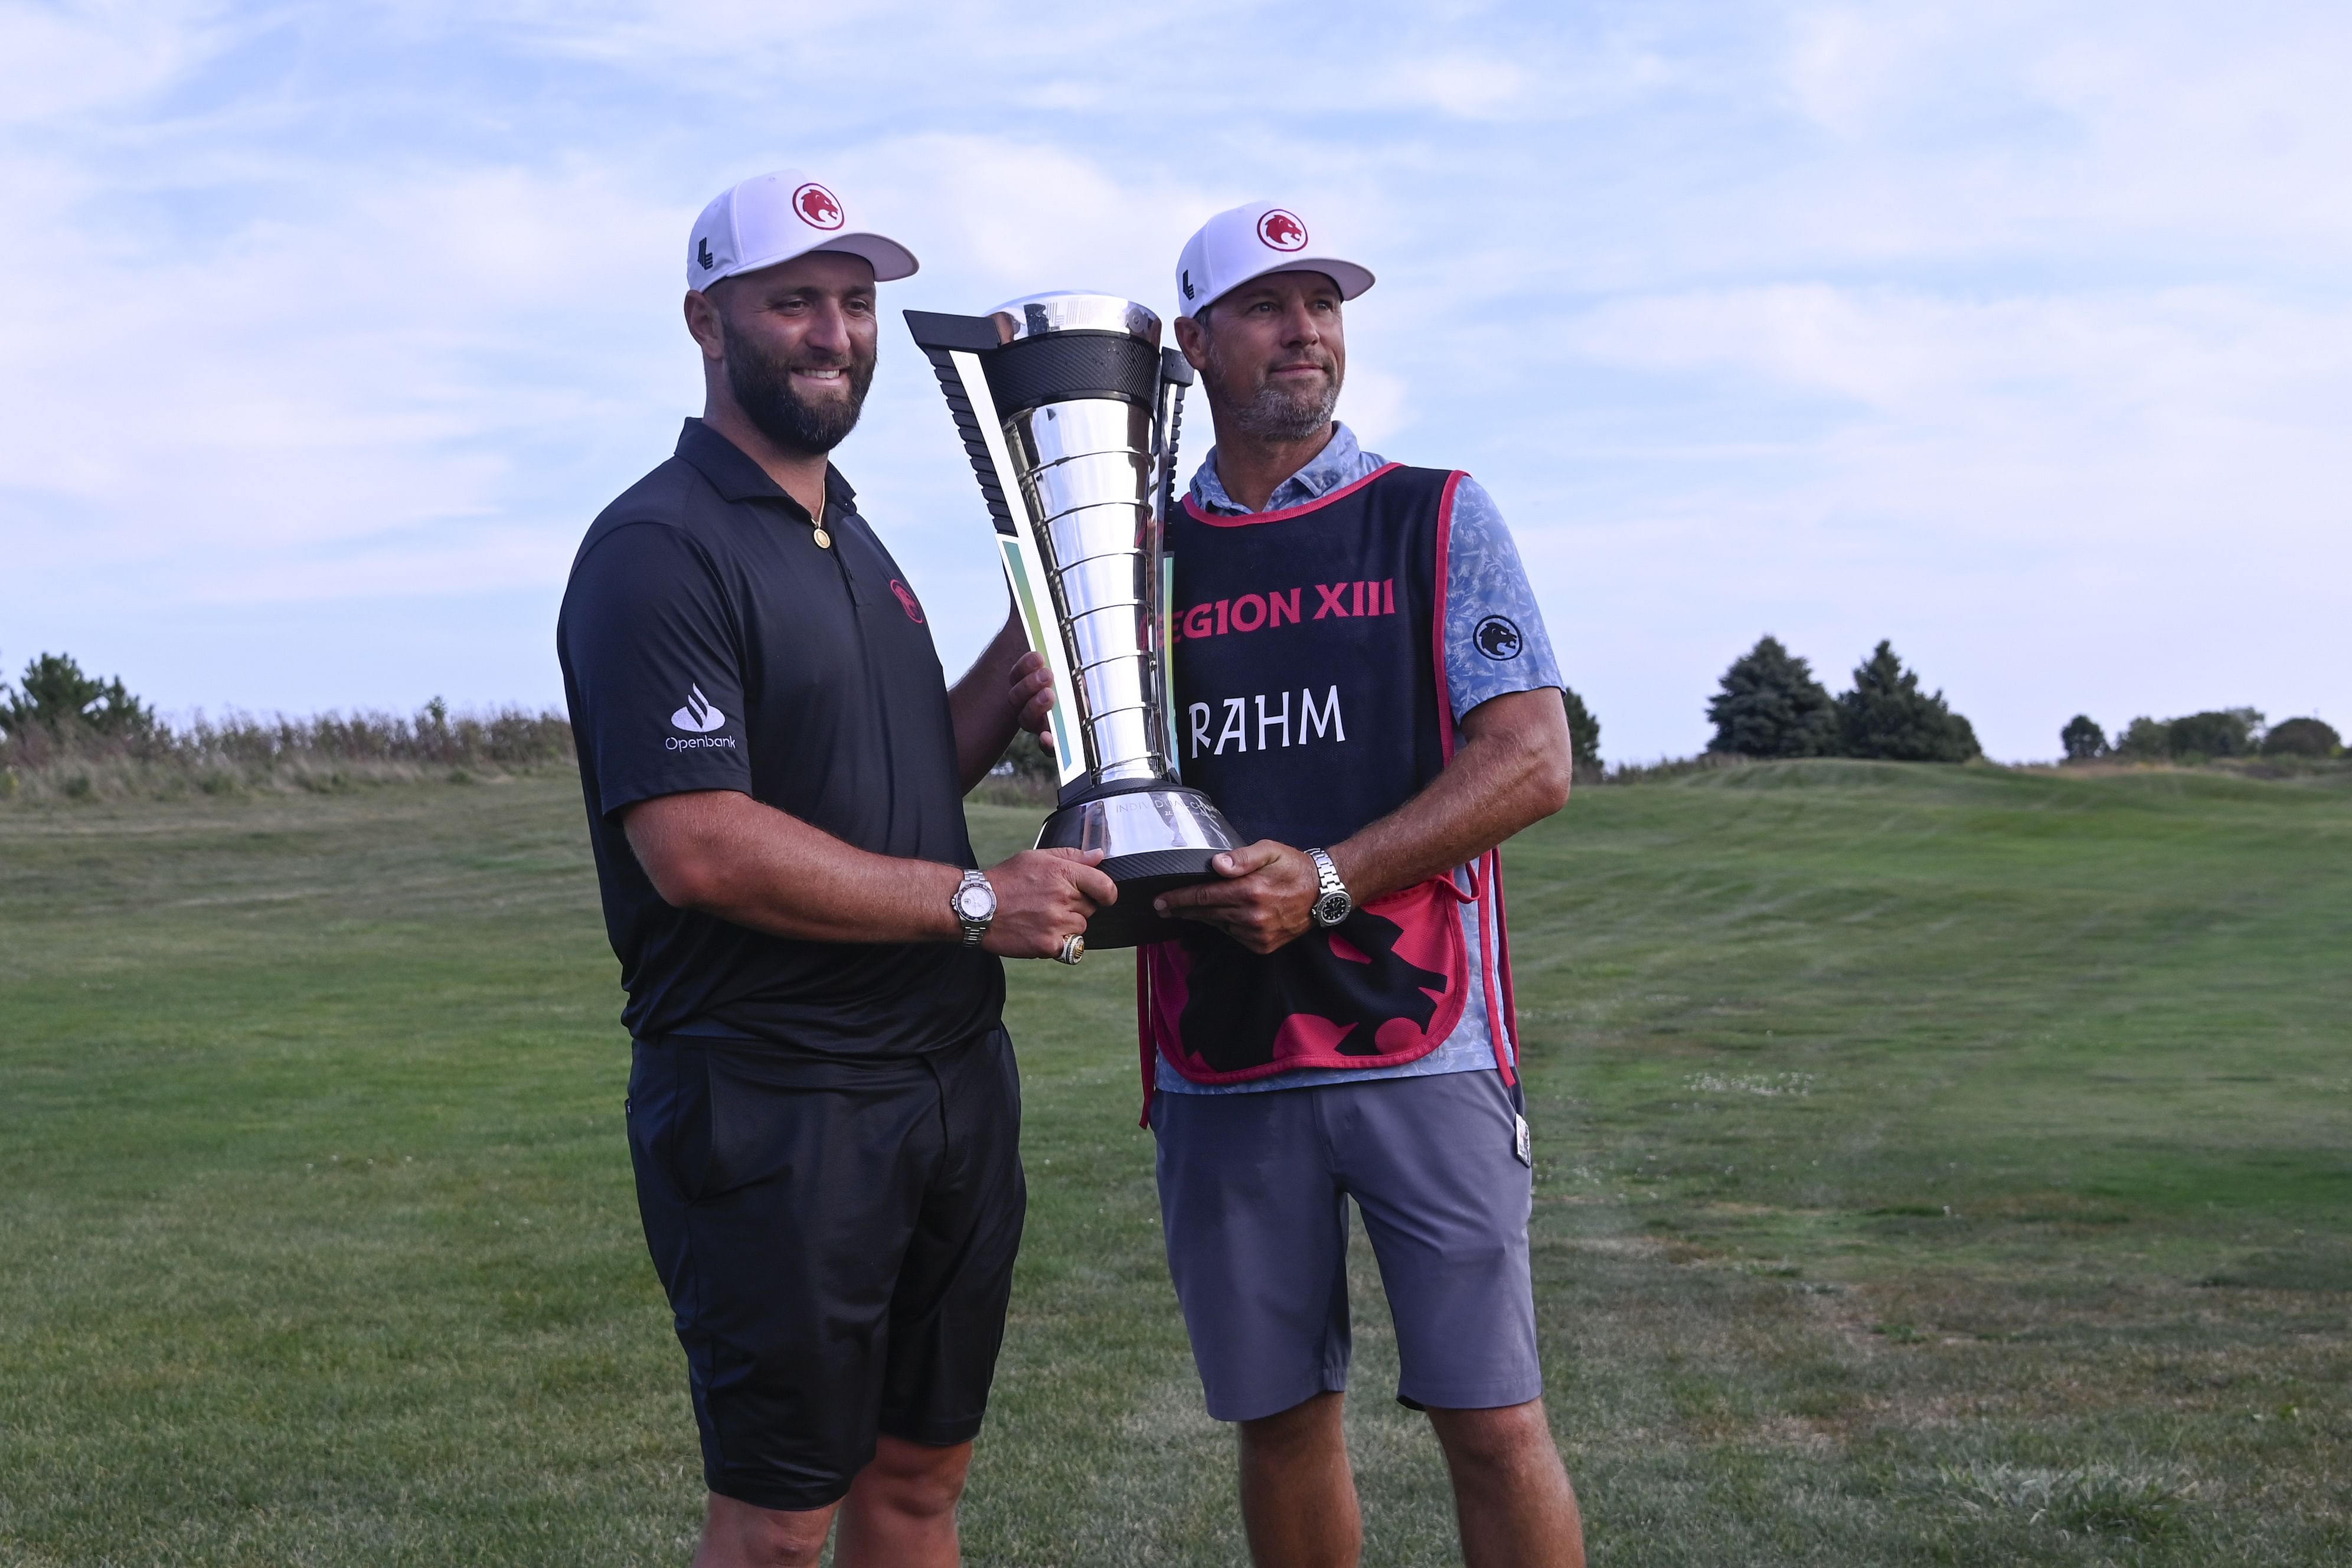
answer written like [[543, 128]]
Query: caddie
[[824, 1114], [1365, 688]]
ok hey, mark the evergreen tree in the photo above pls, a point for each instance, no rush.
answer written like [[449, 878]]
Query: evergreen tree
[[1584, 734], [2229, 732], [1887, 717], [2302, 738], [2145, 740], [2083, 739], [57, 697], [1770, 706]]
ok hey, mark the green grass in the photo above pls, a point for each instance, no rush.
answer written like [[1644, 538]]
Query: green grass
[[1935, 1165]]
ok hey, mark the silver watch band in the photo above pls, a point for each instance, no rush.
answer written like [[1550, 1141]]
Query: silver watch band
[[1333, 902], [1325, 873], [974, 927]]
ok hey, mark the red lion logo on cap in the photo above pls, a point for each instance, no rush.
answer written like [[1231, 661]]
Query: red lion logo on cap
[[1282, 230], [819, 208]]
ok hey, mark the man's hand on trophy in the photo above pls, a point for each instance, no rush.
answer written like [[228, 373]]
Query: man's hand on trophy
[[1033, 694], [1268, 897], [1044, 897]]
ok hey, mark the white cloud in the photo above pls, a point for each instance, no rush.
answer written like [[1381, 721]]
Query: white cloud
[[67, 60], [305, 384], [1988, 327], [2136, 416]]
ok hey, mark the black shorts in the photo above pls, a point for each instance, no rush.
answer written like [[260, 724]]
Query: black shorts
[[836, 1240]]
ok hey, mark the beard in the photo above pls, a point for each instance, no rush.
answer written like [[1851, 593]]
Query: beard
[[1272, 412], [762, 382]]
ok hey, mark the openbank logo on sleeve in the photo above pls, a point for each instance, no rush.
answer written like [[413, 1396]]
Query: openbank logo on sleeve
[[698, 718]]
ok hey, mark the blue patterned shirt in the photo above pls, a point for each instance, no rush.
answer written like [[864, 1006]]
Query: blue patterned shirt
[[1484, 582]]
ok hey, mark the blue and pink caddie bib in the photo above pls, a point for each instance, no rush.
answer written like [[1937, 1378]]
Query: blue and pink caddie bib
[[1311, 700]]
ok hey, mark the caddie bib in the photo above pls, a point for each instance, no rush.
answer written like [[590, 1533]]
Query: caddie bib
[[1311, 700]]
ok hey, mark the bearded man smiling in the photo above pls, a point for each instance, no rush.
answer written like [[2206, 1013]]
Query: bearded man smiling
[[824, 1114]]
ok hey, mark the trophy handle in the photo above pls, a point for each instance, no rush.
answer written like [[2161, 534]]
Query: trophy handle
[[953, 344], [1168, 418]]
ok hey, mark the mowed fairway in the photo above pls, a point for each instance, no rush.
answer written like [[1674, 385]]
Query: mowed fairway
[[1934, 1166]]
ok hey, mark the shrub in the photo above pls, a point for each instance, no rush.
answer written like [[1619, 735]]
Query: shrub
[[2144, 739], [1025, 775], [1027, 758], [1888, 718], [2083, 739], [59, 697], [1584, 734], [2302, 738], [330, 751], [2229, 732], [1770, 706]]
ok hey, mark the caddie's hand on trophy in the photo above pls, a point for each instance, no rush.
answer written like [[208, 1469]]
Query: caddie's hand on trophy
[[1266, 900], [1044, 898]]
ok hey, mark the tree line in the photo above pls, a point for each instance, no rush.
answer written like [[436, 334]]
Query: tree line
[[66, 732], [1769, 705], [2201, 737]]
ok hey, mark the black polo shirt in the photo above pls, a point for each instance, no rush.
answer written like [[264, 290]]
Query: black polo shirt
[[709, 643]]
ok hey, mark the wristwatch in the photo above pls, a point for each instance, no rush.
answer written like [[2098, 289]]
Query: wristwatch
[[975, 903], [1332, 902]]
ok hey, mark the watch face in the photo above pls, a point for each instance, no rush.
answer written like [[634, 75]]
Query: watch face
[[1333, 908], [977, 902]]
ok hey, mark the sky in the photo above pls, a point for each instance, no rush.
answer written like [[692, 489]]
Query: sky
[[2019, 334]]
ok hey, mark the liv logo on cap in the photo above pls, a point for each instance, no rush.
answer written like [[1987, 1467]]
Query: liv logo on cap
[[818, 207], [769, 219], [1282, 230], [1246, 242]]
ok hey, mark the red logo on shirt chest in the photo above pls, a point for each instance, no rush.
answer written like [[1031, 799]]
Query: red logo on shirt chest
[[907, 601]]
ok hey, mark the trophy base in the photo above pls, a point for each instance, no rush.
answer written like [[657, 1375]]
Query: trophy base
[[1155, 837]]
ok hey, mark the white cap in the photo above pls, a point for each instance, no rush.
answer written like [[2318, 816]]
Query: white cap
[[1249, 242], [774, 217]]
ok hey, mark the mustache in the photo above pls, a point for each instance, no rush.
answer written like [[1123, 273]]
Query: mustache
[[823, 361]]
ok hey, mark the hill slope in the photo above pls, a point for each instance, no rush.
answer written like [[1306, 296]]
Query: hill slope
[[1935, 1165]]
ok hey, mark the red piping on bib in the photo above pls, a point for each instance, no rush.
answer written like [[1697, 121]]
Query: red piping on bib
[[1490, 960], [1437, 613], [1503, 926], [1144, 1035], [1193, 508], [1492, 944]]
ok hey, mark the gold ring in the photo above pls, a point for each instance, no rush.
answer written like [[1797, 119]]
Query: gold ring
[[1074, 948]]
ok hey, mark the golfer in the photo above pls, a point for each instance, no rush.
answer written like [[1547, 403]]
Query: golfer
[[1366, 689], [823, 1110]]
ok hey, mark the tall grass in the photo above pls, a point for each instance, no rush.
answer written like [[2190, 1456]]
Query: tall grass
[[242, 753], [245, 753]]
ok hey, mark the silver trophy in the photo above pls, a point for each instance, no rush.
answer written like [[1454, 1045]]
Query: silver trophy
[[1068, 407]]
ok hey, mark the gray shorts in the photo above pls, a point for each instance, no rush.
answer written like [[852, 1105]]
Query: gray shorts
[[1253, 1192]]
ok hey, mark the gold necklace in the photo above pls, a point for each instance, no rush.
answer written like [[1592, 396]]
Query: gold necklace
[[824, 540]]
